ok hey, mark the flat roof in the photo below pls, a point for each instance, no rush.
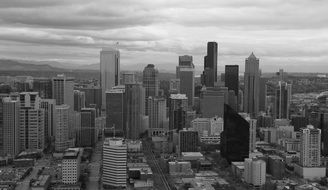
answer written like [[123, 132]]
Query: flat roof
[[192, 154]]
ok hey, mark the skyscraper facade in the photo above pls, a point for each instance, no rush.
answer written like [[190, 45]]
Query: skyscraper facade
[[88, 127], [235, 136], [310, 147], [209, 76], [49, 106], [63, 90], [283, 100], [186, 74], [157, 113], [188, 141], [43, 86], [61, 132], [251, 81], [109, 71], [79, 100], [232, 78], [176, 101], [150, 83]]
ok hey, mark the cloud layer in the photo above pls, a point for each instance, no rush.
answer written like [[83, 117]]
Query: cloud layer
[[284, 34]]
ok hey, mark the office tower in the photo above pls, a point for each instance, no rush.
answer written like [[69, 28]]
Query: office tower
[[190, 115], [76, 123], [114, 163], [179, 121], [135, 95], [31, 122], [157, 114], [255, 172], [1, 127], [323, 126], [251, 81], [150, 83], [93, 97], [10, 128], [202, 126], [116, 110], [188, 141], [299, 122], [71, 165], [43, 86], [216, 126], [262, 95], [62, 90], [310, 147], [61, 132], [283, 99], [49, 119], [186, 73], [128, 77], [209, 76], [88, 127], [79, 100], [241, 100], [232, 78], [109, 71], [212, 101], [265, 121], [176, 101], [233, 100], [235, 136], [174, 86], [252, 134]]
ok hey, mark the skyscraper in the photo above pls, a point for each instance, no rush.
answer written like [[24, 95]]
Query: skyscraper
[[157, 113], [310, 147], [128, 77], [63, 90], [235, 136], [49, 119], [61, 132], [93, 96], [176, 101], [135, 95], [188, 141], [43, 86], [186, 73], [255, 172], [212, 101], [88, 127], [283, 99], [79, 100], [150, 83], [232, 78], [116, 109], [10, 126], [251, 81], [109, 71], [209, 76], [114, 163], [31, 121]]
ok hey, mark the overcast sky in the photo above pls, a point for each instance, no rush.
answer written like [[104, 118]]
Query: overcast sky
[[289, 34]]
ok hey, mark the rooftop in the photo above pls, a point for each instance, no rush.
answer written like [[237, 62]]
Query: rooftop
[[178, 96], [191, 154]]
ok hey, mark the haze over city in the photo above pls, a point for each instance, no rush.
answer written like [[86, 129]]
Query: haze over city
[[284, 34]]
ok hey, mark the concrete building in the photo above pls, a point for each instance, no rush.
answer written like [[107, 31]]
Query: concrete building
[[157, 114], [31, 122], [71, 168], [61, 132], [188, 141], [128, 77], [212, 101], [88, 127], [174, 86], [114, 163], [202, 126], [217, 125], [255, 172], [109, 71], [63, 90], [252, 134], [43, 86], [251, 80], [150, 83], [10, 118]]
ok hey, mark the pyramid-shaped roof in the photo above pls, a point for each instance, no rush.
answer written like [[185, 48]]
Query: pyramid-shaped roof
[[252, 56]]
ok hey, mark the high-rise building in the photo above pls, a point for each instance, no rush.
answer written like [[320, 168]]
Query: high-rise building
[[176, 101], [10, 119], [252, 134], [209, 76], [255, 172], [299, 122], [128, 77], [174, 86], [235, 136], [188, 141], [88, 127], [116, 109], [63, 90], [71, 165], [49, 119], [31, 121], [251, 80], [109, 71], [179, 121], [202, 126], [310, 147], [186, 73], [135, 95], [79, 100], [114, 163], [283, 99], [232, 78], [150, 83], [157, 114], [262, 84], [212, 101], [43, 86], [61, 131], [93, 97]]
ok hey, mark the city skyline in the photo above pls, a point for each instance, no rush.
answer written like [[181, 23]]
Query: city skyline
[[282, 34]]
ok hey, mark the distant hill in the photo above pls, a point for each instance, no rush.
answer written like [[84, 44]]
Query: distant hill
[[12, 65]]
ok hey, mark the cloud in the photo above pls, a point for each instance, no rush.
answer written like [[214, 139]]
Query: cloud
[[280, 32]]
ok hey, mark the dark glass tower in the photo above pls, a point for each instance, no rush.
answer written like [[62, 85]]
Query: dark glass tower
[[235, 136], [232, 78], [209, 76]]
